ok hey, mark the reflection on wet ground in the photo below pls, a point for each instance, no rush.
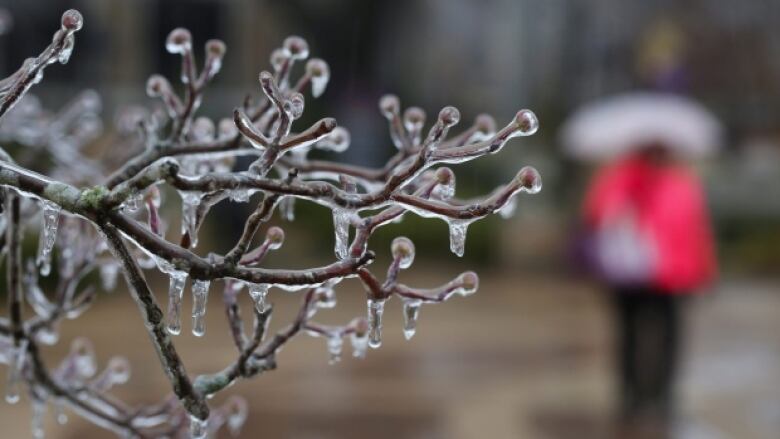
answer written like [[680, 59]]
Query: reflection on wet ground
[[527, 357]]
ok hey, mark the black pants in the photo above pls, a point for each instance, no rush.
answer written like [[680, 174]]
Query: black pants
[[648, 329]]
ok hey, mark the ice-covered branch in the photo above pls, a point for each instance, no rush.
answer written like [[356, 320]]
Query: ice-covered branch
[[118, 224]]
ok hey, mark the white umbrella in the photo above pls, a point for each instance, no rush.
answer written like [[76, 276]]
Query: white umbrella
[[615, 125]]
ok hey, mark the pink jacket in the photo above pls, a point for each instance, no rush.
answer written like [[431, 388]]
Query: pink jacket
[[669, 206]]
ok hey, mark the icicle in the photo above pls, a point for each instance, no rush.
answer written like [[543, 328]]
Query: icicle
[[287, 208], [458, 229], [51, 217], [132, 202], [239, 195], [198, 428], [82, 354], [326, 296], [37, 418], [175, 292], [258, 293], [334, 348], [341, 228], [236, 413], [59, 413], [359, 338], [189, 215], [108, 275], [15, 363], [376, 307], [411, 312], [48, 335], [320, 74], [200, 292], [509, 208]]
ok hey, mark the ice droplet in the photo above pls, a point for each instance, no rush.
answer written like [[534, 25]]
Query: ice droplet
[[51, 217], [508, 209], [59, 413], [239, 195], [37, 417], [259, 293], [82, 353], [200, 293], [175, 293], [108, 275], [359, 344], [287, 208], [335, 344], [15, 362], [376, 307], [458, 229], [320, 74], [411, 312], [326, 296], [132, 202], [341, 229], [402, 249], [190, 201], [198, 428]]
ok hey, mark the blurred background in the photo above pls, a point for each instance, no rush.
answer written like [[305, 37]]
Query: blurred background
[[529, 356]]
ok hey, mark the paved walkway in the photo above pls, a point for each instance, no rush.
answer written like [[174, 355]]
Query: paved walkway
[[527, 357]]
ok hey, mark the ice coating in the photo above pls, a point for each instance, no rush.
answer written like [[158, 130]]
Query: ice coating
[[51, 218], [259, 293], [411, 312], [200, 291], [176, 280], [376, 307], [458, 230]]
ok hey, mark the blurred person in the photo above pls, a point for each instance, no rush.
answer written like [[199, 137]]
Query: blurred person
[[653, 247], [648, 230]]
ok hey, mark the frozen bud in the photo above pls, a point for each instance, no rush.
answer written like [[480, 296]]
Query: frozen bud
[[445, 176], [89, 100], [295, 105], [319, 72], [275, 237], [203, 129], [72, 20], [361, 326], [414, 118], [156, 85], [236, 411], [527, 122], [128, 118], [278, 57], [119, 368], [337, 140], [296, 48], [485, 124], [449, 116], [83, 354], [227, 127], [389, 105], [469, 283], [403, 251], [266, 78], [215, 48], [529, 179], [179, 41]]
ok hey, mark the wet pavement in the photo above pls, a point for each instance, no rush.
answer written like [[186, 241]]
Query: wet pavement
[[528, 356]]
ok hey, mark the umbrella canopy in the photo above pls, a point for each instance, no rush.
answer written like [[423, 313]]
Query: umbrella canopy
[[616, 125]]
